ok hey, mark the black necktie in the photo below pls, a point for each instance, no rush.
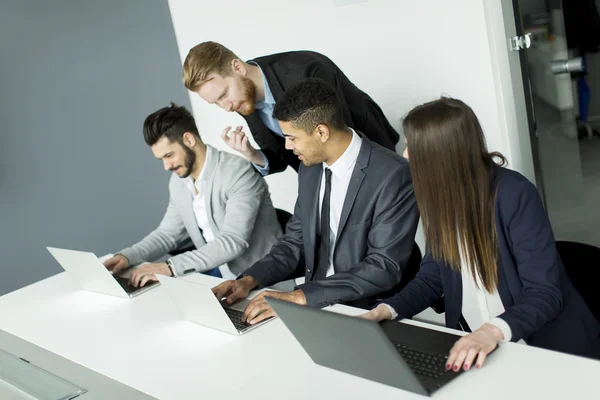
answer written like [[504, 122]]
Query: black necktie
[[323, 250]]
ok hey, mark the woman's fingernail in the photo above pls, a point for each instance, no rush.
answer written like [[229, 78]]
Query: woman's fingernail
[[478, 365], [456, 368], [466, 367], [448, 367]]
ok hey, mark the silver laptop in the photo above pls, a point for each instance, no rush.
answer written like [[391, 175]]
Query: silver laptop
[[92, 275], [198, 304], [405, 356]]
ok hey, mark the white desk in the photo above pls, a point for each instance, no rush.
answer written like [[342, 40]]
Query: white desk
[[145, 344], [98, 386]]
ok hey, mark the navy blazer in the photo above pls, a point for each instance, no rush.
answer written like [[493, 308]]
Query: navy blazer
[[541, 304], [375, 236]]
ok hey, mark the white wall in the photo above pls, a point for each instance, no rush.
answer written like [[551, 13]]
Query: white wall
[[508, 82], [400, 52]]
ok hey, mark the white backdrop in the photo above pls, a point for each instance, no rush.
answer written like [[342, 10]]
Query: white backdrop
[[400, 52]]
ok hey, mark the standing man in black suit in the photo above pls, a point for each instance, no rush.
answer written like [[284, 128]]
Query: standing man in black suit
[[253, 88], [355, 219]]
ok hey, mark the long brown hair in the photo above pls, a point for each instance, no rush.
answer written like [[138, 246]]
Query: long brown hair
[[451, 170]]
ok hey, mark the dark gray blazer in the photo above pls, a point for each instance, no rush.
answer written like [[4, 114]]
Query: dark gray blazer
[[374, 239]]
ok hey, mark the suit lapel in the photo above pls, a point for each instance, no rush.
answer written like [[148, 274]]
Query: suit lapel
[[358, 175], [208, 205], [272, 81], [270, 139], [187, 216], [457, 295], [312, 188], [265, 138], [210, 170], [186, 197]]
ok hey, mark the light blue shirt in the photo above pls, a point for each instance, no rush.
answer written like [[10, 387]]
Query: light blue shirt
[[265, 111]]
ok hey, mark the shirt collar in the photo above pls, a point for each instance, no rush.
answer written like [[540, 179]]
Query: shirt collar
[[269, 99], [189, 181], [346, 162]]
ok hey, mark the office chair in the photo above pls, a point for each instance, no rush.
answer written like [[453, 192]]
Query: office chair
[[283, 217], [582, 265]]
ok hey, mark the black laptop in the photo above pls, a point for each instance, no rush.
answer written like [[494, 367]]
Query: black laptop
[[401, 355]]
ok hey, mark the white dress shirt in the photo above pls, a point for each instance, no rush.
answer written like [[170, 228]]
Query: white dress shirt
[[341, 172], [265, 112], [199, 206], [478, 305]]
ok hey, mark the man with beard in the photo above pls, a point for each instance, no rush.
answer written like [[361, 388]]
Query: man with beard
[[217, 201], [253, 88]]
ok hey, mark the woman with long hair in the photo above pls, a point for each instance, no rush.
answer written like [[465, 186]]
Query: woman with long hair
[[490, 248]]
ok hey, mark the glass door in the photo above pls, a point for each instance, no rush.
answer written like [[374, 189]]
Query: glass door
[[566, 154]]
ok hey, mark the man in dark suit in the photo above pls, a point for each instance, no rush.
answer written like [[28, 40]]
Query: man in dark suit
[[253, 88], [355, 218]]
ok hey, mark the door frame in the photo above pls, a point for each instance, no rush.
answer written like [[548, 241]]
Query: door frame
[[529, 107], [517, 122]]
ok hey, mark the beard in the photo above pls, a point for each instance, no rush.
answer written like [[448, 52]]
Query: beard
[[188, 163], [249, 104]]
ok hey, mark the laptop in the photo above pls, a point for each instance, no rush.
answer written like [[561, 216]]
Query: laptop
[[198, 304], [405, 356], [92, 275]]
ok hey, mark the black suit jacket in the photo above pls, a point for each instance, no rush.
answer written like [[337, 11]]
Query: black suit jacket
[[541, 304], [360, 111], [374, 239]]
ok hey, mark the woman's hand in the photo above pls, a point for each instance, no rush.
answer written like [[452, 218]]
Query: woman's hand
[[474, 347], [379, 313]]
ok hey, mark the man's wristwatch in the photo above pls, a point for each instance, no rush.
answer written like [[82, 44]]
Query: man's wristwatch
[[170, 265]]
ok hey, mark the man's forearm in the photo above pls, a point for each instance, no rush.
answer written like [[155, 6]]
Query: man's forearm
[[256, 157], [249, 282]]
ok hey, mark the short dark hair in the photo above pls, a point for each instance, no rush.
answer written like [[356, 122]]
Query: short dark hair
[[171, 122], [309, 103]]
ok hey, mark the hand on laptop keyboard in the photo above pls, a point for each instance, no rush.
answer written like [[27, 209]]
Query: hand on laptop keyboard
[[258, 309], [231, 291], [116, 264], [237, 318], [147, 272], [474, 347]]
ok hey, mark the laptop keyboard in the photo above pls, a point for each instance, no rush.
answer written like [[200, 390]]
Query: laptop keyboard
[[124, 282], [424, 364], [236, 317]]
